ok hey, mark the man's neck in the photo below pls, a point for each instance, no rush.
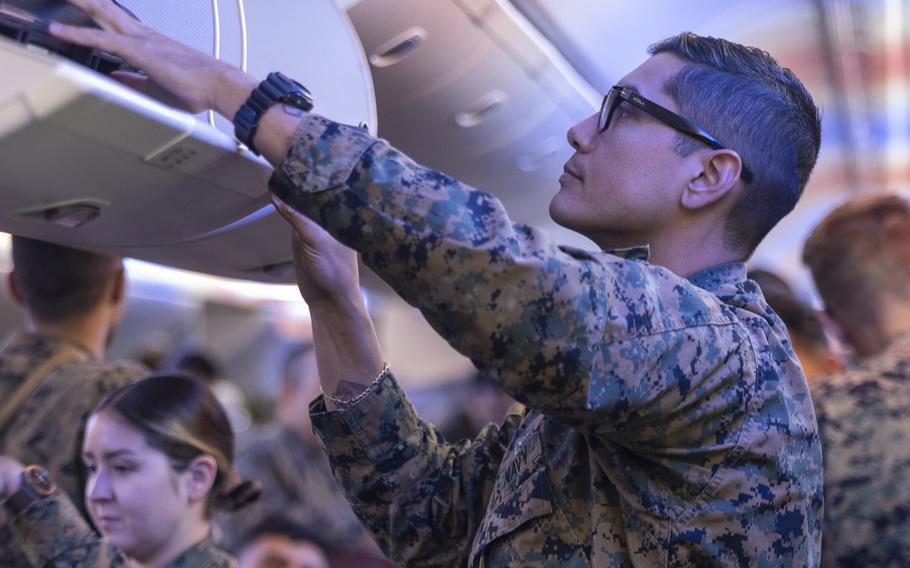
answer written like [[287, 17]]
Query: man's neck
[[892, 321], [90, 332]]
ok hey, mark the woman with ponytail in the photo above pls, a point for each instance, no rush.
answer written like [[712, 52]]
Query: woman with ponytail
[[159, 459]]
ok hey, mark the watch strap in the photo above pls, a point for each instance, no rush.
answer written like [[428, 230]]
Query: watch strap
[[35, 483], [274, 89]]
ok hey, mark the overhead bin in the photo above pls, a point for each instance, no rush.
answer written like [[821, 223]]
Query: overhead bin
[[90, 163], [471, 88]]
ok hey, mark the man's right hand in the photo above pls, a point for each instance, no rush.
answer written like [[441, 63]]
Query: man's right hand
[[347, 349], [174, 73], [327, 273]]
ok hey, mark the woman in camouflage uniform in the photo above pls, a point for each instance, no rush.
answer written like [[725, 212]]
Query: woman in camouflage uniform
[[159, 458]]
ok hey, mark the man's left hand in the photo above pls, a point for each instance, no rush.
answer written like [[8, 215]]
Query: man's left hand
[[174, 73]]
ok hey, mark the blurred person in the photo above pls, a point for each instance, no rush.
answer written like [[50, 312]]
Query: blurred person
[[287, 461], [482, 404], [807, 331], [53, 374], [277, 542], [859, 256], [769, 282], [158, 453], [663, 426], [198, 365], [202, 366]]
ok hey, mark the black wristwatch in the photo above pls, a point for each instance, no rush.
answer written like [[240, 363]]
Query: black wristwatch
[[35, 483], [277, 88]]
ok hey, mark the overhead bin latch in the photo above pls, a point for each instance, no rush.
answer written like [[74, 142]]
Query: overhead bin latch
[[70, 214]]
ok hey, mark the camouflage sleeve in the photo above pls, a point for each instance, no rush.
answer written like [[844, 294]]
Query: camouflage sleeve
[[422, 498], [574, 335], [54, 534]]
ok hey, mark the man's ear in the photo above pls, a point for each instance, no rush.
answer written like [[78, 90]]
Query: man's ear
[[13, 288], [201, 477], [717, 176], [118, 291]]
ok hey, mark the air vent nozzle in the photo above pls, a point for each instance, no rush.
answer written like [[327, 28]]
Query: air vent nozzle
[[397, 48]]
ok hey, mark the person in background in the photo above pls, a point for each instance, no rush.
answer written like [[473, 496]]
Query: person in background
[[277, 542], [859, 256], [807, 331], [293, 471], [53, 374], [158, 453], [482, 404], [203, 367]]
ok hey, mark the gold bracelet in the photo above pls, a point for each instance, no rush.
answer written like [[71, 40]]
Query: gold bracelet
[[346, 403]]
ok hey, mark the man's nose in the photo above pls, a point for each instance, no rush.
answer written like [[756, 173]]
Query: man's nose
[[582, 135]]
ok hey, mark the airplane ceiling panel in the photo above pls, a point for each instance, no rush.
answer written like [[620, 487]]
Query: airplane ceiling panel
[[470, 88]]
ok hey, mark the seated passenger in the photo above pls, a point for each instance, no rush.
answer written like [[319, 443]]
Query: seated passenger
[[158, 455]]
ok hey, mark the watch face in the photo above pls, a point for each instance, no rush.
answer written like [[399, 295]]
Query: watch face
[[289, 80], [39, 479], [300, 100]]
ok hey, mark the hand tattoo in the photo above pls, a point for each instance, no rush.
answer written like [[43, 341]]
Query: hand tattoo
[[347, 390]]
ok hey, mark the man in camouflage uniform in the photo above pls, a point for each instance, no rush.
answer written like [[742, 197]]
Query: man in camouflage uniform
[[668, 421], [72, 301], [292, 470], [860, 259]]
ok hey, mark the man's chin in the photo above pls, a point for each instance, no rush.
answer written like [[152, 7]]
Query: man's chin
[[560, 216]]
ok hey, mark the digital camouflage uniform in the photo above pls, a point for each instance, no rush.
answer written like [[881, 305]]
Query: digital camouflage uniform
[[297, 483], [864, 422], [669, 421], [48, 428], [54, 533]]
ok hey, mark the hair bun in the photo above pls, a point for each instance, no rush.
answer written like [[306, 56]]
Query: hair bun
[[238, 496]]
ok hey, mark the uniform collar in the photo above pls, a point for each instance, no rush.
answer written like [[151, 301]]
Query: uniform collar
[[720, 277], [713, 279], [42, 342], [203, 554]]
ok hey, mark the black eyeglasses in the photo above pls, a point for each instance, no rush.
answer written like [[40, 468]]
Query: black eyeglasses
[[616, 95]]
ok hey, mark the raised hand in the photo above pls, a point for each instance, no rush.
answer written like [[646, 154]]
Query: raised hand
[[327, 273], [10, 472]]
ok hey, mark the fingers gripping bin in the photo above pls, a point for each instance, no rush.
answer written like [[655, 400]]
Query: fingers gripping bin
[[90, 163]]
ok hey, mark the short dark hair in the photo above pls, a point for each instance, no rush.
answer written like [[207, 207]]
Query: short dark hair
[[279, 525], [859, 251], [57, 283], [180, 417], [752, 105], [198, 364]]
